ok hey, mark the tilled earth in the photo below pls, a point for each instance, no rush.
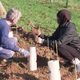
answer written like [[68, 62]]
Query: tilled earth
[[18, 67]]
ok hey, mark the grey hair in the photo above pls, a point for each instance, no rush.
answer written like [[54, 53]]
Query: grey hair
[[13, 14]]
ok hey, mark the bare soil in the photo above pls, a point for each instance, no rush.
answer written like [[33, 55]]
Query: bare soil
[[18, 67]]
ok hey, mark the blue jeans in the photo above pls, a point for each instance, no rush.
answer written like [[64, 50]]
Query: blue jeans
[[5, 53]]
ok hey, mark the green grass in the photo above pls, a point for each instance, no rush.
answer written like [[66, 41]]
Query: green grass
[[43, 13]]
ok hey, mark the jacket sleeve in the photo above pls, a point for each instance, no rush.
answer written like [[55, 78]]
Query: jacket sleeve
[[49, 40], [54, 35]]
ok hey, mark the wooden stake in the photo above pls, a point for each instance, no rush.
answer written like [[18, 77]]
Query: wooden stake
[[56, 49], [2, 10], [75, 71], [48, 42]]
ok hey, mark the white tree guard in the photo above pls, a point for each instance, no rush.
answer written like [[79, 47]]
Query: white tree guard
[[54, 70], [33, 59]]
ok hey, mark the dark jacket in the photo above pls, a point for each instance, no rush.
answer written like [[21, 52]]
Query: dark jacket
[[65, 34]]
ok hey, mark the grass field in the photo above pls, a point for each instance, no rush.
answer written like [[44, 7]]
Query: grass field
[[43, 12]]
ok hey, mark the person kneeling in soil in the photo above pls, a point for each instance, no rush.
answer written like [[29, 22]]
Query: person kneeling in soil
[[8, 45], [66, 36]]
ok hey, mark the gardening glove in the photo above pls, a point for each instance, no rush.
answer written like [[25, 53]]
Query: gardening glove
[[40, 40], [24, 52]]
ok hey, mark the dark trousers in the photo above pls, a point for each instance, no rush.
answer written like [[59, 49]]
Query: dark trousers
[[68, 52]]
